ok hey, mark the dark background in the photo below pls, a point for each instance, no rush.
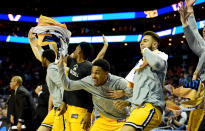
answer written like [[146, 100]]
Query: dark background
[[18, 59]]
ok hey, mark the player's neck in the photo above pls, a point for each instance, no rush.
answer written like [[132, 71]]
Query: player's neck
[[80, 59]]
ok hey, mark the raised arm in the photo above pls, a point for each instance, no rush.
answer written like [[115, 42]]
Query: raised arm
[[102, 52], [37, 49], [199, 66], [194, 39], [156, 61], [67, 84], [192, 21]]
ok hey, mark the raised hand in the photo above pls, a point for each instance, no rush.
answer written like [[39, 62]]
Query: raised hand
[[31, 36], [183, 14], [104, 40], [189, 5]]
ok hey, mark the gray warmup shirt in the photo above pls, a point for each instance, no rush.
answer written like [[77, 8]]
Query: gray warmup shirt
[[102, 103], [54, 84], [196, 44], [149, 83]]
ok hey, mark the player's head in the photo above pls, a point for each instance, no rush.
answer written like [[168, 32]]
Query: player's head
[[84, 49], [48, 56], [15, 82], [100, 70], [150, 40]]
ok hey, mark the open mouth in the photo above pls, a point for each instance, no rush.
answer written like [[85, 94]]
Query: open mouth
[[95, 81]]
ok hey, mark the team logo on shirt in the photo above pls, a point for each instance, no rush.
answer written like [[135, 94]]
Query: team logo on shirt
[[73, 71], [75, 67]]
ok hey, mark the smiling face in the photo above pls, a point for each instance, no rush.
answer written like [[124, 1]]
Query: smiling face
[[99, 76]]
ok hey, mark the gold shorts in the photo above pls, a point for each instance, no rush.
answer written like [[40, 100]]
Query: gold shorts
[[54, 121], [106, 124], [146, 117]]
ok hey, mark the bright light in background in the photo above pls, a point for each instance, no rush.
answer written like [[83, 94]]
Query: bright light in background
[[14, 18], [111, 39], [100, 17]]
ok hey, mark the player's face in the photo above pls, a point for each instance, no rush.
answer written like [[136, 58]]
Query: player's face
[[146, 42], [76, 52], [98, 75]]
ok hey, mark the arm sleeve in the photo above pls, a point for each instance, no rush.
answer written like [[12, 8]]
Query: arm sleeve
[[201, 62], [68, 84], [193, 27], [11, 105], [192, 23], [23, 106], [156, 61], [123, 85], [53, 74], [193, 42], [196, 47]]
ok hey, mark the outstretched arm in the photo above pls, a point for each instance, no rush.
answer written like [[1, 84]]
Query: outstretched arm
[[67, 84], [194, 39], [37, 49], [192, 21], [102, 52]]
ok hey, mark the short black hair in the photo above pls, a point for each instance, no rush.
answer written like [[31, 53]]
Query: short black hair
[[104, 64], [49, 54], [154, 35], [87, 49]]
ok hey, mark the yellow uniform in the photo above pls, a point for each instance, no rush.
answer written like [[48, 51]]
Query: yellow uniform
[[106, 124], [145, 118], [74, 116], [54, 121], [195, 118]]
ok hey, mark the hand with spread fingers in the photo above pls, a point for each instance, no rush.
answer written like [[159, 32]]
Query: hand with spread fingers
[[189, 5], [86, 121], [183, 14], [115, 94]]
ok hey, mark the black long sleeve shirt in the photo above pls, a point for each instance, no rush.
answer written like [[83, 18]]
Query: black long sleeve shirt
[[79, 98]]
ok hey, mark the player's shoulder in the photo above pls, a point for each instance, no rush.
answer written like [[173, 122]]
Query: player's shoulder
[[161, 54]]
